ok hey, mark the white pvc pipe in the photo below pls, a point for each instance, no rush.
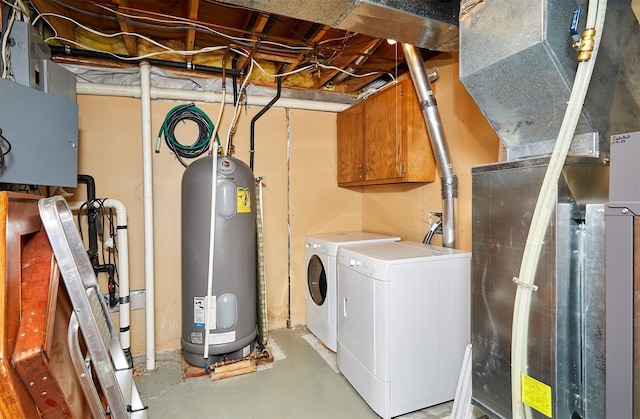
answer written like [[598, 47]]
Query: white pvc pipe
[[147, 190], [123, 270], [542, 214], [83, 88], [212, 240], [123, 265]]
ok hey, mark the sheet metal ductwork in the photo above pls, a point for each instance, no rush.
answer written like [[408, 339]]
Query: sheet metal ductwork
[[518, 63], [431, 24]]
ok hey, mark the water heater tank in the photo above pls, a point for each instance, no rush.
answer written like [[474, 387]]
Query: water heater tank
[[233, 324]]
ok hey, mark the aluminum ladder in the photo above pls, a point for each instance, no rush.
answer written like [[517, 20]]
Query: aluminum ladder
[[104, 356]]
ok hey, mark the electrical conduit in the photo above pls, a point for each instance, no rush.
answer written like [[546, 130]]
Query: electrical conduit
[[147, 188], [438, 141], [544, 208]]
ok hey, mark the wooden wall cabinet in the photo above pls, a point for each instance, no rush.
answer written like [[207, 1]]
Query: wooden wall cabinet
[[384, 139]]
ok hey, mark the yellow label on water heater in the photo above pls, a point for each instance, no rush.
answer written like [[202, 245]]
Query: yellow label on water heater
[[537, 395], [244, 200]]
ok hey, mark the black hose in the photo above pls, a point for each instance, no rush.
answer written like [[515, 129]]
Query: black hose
[[92, 217], [436, 228], [258, 115], [234, 78], [3, 153]]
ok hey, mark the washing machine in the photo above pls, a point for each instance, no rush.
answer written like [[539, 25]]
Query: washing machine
[[320, 255], [403, 323]]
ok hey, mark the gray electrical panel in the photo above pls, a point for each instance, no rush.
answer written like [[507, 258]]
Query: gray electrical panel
[[28, 50], [31, 63], [43, 132], [38, 115]]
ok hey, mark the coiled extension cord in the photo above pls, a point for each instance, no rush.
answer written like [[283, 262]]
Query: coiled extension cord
[[205, 131]]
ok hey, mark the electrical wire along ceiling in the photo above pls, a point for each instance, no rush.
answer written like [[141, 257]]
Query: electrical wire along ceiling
[[208, 36]]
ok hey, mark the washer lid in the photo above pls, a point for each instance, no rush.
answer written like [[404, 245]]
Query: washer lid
[[403, 250], [328, 243]]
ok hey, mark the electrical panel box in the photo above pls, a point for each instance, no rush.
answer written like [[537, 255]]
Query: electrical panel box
[[31, 63], [43, 132]]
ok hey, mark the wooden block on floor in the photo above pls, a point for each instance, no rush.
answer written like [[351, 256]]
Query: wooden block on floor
[[229, 369], [189, 371], [244, 366], [265, 359]]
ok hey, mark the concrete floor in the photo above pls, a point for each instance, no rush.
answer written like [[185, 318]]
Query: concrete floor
[[302, 383]]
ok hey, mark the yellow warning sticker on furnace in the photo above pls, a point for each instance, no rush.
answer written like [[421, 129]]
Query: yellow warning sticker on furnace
[[537, 395], [244, 200]]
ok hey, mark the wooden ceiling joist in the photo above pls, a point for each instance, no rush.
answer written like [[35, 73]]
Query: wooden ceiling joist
[[282, 43], [192, 14], [129, 40]]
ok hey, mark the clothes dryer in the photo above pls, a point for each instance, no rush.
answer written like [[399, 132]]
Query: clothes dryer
[[320, 255], [403, 323]]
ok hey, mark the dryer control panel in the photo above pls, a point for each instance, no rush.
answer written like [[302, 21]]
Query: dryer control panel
[[360, 263]]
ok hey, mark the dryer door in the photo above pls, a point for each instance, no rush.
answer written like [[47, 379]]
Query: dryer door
[[317, 280]]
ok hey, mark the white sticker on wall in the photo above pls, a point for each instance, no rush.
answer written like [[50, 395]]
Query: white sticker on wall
[[219, 338], [199, 306]]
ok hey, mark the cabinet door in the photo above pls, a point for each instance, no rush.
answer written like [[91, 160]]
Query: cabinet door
[[350, 144], [383, 135]]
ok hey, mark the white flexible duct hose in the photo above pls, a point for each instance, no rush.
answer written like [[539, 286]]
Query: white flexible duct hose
[[212, 237], [542, 214]]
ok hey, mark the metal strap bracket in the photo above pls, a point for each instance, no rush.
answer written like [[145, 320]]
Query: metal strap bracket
[[533, 287]]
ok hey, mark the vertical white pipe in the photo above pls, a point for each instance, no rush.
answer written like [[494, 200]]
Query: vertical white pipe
[[123, 266], [212, 241], [147, 188], [123, 271]]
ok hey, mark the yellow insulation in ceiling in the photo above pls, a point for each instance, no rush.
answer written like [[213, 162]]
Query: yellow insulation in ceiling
[[89, 40], [301, 79], [116, 45]]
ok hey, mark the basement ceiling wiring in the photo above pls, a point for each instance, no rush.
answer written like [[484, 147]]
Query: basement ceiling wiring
[[197, 34], [165, 49]]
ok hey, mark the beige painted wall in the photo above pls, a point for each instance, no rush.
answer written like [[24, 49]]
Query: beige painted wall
[[404, 209], [111, 151], [296, 152]]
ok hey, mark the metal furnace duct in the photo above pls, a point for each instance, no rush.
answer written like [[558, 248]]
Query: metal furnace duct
[[518, 63], [431, 24], [566, 329]]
